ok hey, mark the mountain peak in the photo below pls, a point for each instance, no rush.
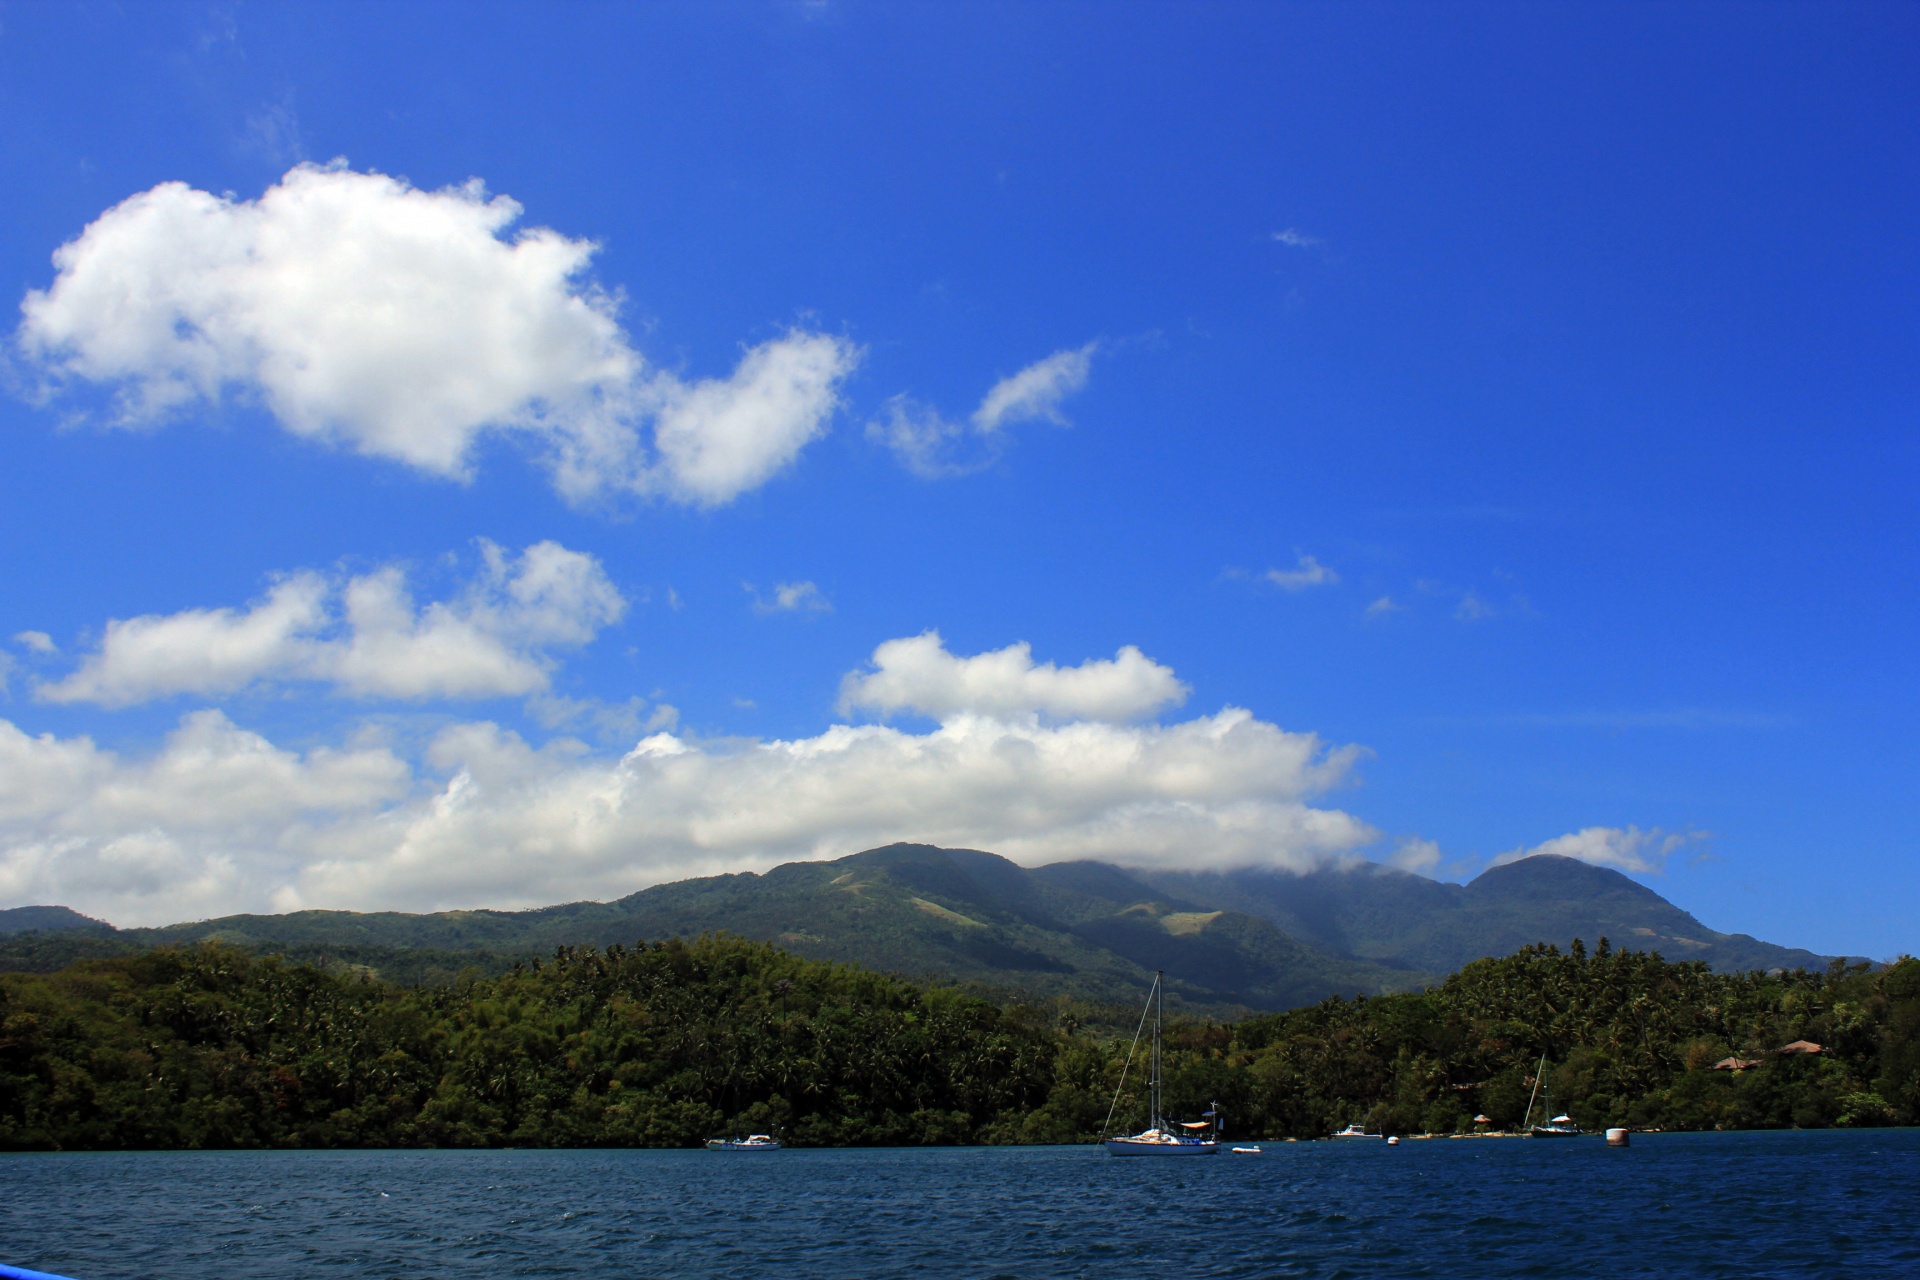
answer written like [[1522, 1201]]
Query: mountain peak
[[904, 852], [1251, 938], [49, 920], [1558, 876]]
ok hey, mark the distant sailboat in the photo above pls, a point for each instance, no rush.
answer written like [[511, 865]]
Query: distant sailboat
[[1559, 1126], [1160, 1138]]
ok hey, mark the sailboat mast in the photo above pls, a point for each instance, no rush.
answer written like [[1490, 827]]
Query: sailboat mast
[[1538, 1072], [1158, 1006]]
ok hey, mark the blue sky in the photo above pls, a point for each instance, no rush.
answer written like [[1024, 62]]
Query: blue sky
[[1518, 399]]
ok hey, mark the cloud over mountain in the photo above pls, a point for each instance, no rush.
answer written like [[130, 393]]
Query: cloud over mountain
[[212, 814], [1622, 848], [406, 324], [219, 819]]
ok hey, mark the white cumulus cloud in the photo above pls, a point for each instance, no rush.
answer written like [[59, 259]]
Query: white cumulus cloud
[[933, 446], [406, 324], [1622, 848], [219, 820], [1035, 393], [918, 674], [36, 642], [926, 443], [1472, 609], [1309, 572], [364, 636], [1416, 854], [207, 823], [721, 437], [790, 597]]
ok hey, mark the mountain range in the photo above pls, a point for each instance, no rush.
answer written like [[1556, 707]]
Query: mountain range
[[1228, 941]]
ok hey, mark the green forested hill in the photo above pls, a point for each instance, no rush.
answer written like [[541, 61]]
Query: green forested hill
[[49, 919], [662, 1045], [959, 915], [648, 1046], [953, 915], [1237, 941], [1409, 921], [1629, 1039]]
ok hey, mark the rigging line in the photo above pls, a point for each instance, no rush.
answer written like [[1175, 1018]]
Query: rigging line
[[1158, 1012], [1123, 1070], [1538, 1071]]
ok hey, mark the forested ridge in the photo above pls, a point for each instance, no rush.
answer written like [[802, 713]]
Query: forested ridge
[[665, 1044], [1228, 944]]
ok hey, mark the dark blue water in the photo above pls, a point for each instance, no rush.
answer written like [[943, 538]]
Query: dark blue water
[[1693, 1205]]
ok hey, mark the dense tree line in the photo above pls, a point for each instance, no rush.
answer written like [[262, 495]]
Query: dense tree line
[[1629, 1039], [666, 1044], [651, 1046]]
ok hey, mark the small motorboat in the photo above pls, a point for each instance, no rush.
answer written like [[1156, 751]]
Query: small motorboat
[[1246, 1151], [752, 1142], [1355, 1131]]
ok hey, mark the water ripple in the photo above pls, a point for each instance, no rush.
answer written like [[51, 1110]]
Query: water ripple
[[1700, 1205]]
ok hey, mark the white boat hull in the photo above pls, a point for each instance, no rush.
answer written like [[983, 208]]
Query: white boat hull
[[1137, 1147]]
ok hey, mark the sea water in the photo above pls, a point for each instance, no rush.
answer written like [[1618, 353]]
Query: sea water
[[1694, 1205]]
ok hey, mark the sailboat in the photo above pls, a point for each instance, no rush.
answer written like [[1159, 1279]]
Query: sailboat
[[1199, 1138], [1559, 1126], [752, 1142]]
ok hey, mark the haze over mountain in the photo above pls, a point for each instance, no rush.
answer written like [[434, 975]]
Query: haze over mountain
[[1241, 939], [1408, 921]]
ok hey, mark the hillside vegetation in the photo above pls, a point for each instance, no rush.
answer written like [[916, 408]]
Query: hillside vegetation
[[663, 1045], [1230, 943], [1629, 1039]]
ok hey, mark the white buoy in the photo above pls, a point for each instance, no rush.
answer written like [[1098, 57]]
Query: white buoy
[[1616, 1137], [1393, 1142]]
